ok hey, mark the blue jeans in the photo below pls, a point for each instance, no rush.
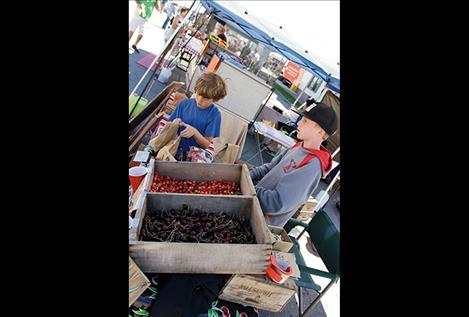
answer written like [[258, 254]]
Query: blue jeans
[[166, 22]]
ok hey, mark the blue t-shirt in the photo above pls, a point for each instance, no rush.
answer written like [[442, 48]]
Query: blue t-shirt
[[206, 121]]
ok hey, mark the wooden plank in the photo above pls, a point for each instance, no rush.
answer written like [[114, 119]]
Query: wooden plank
[[134, 145], [304, 215], [138, 282], [246, 184], [199, 171], [200, 258], [133, 135], [205, 172], [134, 232], [257, 291], [307, 211], [149, 179], [258, 224], [154, 105], [285, 243], [310, 204], [235, 206]]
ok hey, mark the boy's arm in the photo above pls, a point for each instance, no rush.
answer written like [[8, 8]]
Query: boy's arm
[[260, 171], [190, 131], [201, 140], [211, 131], [291, 190]]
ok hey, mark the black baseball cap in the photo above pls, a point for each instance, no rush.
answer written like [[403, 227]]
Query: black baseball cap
[[322, 114]]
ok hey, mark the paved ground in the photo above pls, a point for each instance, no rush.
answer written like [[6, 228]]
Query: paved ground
[[152, 42]]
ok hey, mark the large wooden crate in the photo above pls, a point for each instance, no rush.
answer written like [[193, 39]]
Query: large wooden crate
[[210, 258], [203, 172], [258, 291]]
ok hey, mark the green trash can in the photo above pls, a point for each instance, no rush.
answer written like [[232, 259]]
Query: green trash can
[[142, 103]]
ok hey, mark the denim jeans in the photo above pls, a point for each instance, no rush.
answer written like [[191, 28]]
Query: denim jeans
[[166, 22]]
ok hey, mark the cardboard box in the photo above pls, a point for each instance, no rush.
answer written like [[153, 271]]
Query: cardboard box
[[285, 243]]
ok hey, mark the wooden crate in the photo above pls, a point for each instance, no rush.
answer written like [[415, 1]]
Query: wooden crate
[[138, 282], [304, 215], [285, 243], [211, 258], [258, 291], [310, 204], [307, 212], [203, 172]]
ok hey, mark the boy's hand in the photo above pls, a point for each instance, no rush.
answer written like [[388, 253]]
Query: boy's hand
[[178, 121], [189, 131]]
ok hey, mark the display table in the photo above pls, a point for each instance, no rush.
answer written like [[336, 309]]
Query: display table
[[271, 133], [194, 46]]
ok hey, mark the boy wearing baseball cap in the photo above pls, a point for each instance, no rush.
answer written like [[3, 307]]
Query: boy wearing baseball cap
[[286, 183]]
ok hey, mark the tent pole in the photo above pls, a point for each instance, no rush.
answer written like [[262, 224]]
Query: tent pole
[[335, 152], [323, 197], [260, 110], [303, 91]]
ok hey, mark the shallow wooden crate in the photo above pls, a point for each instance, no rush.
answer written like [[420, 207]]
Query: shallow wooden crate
[[258, 291], [307, 212], [284, 244], [210, 258], [203, 172]]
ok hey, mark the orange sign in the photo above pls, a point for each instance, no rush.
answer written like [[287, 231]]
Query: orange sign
[[293, 72]]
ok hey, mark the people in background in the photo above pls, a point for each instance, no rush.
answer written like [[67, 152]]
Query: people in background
[[245, 52], [140, 19], [171, 11], [220, 31], [176, 22]]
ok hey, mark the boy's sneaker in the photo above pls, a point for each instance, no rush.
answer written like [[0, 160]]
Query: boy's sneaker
[[135, 49]]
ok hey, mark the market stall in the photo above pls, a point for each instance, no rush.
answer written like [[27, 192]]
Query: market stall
[[197, 221], [197, 230]]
